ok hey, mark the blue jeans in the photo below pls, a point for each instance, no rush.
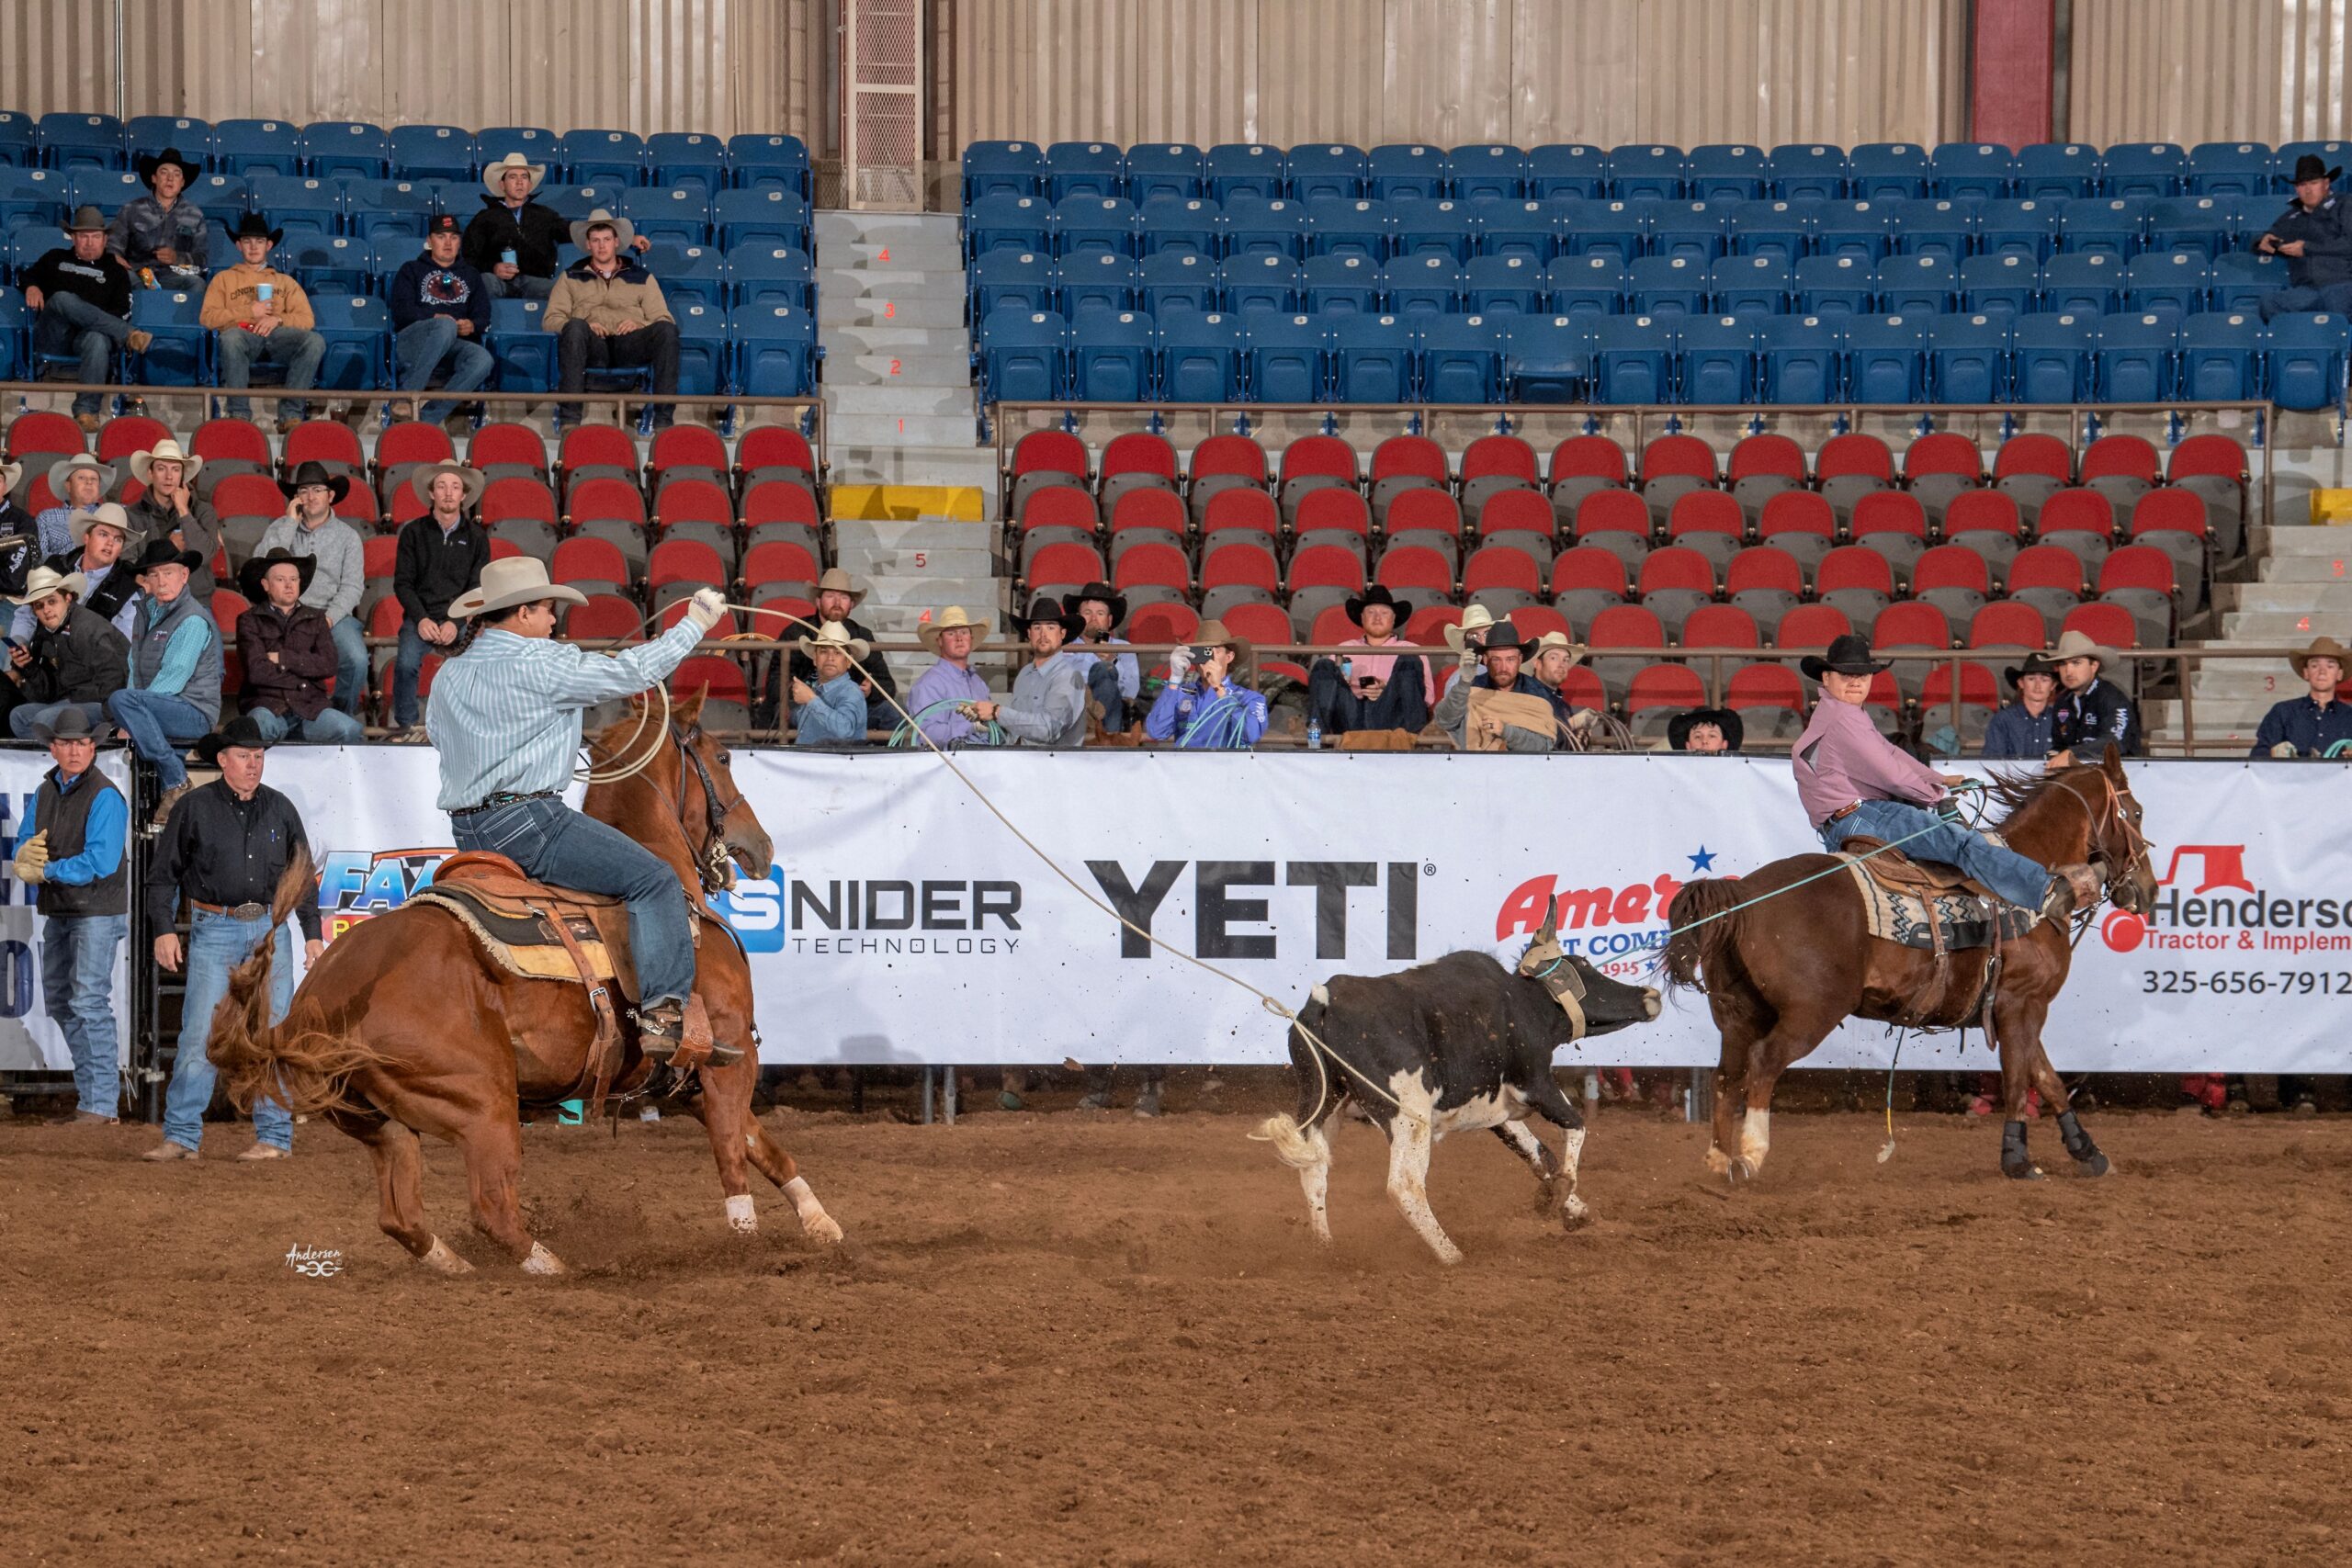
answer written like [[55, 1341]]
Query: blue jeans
[[161, 726], [407, 665], [332, 727], [70, 324], [1102, 685], [524, 286], [216, 944], [77, 989], [297, 350], [22, 719], [2006, 872], [422, 347], [2335, 297], [556, 844], [350, 664]]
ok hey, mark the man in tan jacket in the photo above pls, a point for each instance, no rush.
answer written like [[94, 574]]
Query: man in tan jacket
[[608, 314], [263, 317]]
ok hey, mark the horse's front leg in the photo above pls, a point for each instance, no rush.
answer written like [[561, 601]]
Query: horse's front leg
[[2025, 1068], [724, 1107]]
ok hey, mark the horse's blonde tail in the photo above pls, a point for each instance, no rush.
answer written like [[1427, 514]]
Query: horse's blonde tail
[[309, 1073]]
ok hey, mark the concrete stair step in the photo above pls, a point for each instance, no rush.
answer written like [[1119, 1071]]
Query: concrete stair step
[[838, 224], [900, 397], [880, 561], [2335, 566], [885, 337], [932, 591], [2298, 596], [880, 311], [917, 463], [903, 286], [914, 534], [2276, 628], [916, 368], [2303, 540], [890, 430], [943, 257]]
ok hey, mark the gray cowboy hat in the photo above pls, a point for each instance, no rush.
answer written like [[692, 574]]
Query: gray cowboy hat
[[1848, 654], [517, 580], [836, 581], [2078, 645], [86, 219], [71, 723], [476, 481], [623, 229], [80, 462], [494, 176]]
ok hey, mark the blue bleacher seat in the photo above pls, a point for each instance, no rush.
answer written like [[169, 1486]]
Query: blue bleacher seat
[[328, 264], [2147, 170], [1782, 230], [1809, 172], [1462, 356], [20, 248], [377, 208], [1446, 228], [1490, 171], [2027, 227], [1692, 231], [105, 189], [2198, 223], [1939, 227], [1504, 286], [1722, 171], [1289, 358], [387, 253], [18, 145], [1113, 356], [2307, 360], [680, 212], [2114, 226], [1002, 221], [1529, 230], [298, 203], [2241, 278], [1264, 282], [755, 161], [153, 133], [1633, 359], [2221, 357], [1009, 168], [1549, 359], [1001, 280], [72, 141], [775, 215], [15, 336], [1567, 169], [1180, 281], [1327, 169], [602, 157], [2089, 284], [1348, 226], [33, 196], [1652, 170], [1749, 285], [1024, 356], [215, 193], [1968, 359], [1174, 169], [435, 152], [1100, 280], [1409, 168], [677, 158], [2137, 357], [706, 350], [1588, 286], [775, 350], [1719, 362], [2231, 168], [1186, 225], [1836, 285], [1258, 227], [358, 328], [2000, 285], [1860, 229], [1667, 287], [2051, 355], [1246, 168], [2247, 217], [1917, 285], [1886, 359], [537, 143], [1373, 360], [2057, 171], [2173, 283], [1888, 171], [1971, 171], [779, 274], [698, 274], [181, 354], [1342, 285], [1618, 229], [1427, 285], [523, 350], [1085, 168], [1200, 359], [332, 147]]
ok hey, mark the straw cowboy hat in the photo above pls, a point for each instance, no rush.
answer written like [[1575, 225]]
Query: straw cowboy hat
[[81, 462], [1550, 640], [2035, 664], [240, 732], [249, 576], [45, 580], [1678, 728], [2078, 645], [2323, 647], [476, 481], [517, 580], [316, 473], [1379, 594], [147, 165], [71, 723], [1045, 607], [836, 581], [494, 176], [106, 513], [1848, 654], [950, 619], [164, 451], [1476, 619], [623, 231], [832, 633]]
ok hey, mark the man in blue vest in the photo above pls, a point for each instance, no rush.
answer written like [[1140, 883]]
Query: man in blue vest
[[173, 697], [81, 824]]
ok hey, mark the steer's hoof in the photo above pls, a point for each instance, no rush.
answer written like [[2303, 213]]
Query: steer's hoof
[[1574, 1215]]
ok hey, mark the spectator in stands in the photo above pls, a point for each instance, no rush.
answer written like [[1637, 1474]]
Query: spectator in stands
[[512, 241], [79, 483], [1706, 732], [1547, 672], [832, 710], [2025, 728], [950, 636], [1205, 707], [289, 654], [1372, 690], [174, 693], [262, 317], [440, 556], [224, 850], [1112, 679], [837, 595], [74, 659], [110, 587], [170, 509], [311, 529], [2315, 236], [608, 314], [1502, 652], [79, 298], [2307, 725], [163, 233], [1049, 706], [440, 315], [17, 560], [81, 828], [2091, 710]]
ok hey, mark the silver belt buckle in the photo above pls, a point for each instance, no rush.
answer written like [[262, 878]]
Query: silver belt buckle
[[249, 911]]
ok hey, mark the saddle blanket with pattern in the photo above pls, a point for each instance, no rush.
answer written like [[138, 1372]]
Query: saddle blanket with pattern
[[1948, 921]]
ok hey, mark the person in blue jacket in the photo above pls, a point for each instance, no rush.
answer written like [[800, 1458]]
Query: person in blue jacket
[[440, 316], [833, 711], [2307, 725], [2027, 727], [2315, 236], [1204, 706]]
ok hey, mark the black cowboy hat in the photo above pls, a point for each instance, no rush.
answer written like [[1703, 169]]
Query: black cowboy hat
[[1503, 634], [317, 474], [1104, 592], [1379, 594], [249, 575], [240, 732], [163, 552], [146, 164], [1045, 607], [2035, 664], [1848, 654], [254, 226], [1678, 728], [2310, 166]]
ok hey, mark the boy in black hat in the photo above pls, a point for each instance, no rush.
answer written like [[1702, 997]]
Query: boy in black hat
[[1372, 690], [262, 317], [81, 300], [2316, 239], [1706, 732], [440, 315], [2026, 728], [1112, 679], [162, 231]]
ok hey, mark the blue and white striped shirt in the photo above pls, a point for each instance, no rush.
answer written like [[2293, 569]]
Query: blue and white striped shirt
[[505, 714]]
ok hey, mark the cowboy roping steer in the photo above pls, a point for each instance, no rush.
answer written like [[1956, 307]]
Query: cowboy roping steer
[[1448, 1046]]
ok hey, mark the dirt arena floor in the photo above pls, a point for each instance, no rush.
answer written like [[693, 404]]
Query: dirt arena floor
[[1082, 1338]]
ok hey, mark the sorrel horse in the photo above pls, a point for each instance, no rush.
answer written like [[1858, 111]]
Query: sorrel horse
[[405, 1026], [1780, 972]]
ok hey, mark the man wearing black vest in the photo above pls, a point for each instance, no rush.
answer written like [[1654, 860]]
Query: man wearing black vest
[[81, 824]]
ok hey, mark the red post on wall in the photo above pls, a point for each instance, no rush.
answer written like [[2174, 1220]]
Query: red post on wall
[[2014, 59]]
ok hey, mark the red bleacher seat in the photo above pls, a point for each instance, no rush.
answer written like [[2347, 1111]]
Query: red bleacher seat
[[502, 448], [1985, 521], [2220, 457], [2008, 624], [126, 434], [1721, 625], [1766, 456], [1857, 579], [1496, 576], [771, 446], [1429, 622], [359, 508], [405, 504], [1331, 626], [689, 501], [227, 606], [1765, 581], [779, 501], [1333, 515], [1617, 521], [41, 433], [2035, 454], [1979, 692], [2081, 519], [1148, 514], [1220, 462], [692, 450], [716, 677], [1319, 458], [228, 446], [1173, 622], [517, 500], [1059, 506], [1584, 463], [1499, 458], [248, 495], [1409, 457], [1674, 582], [1678, 456], [1139, 452], [2121, 456], [1801, 523], [1854, 455], [2170, 509], [2109, 626], [1063, 566], [1664, 686], [597, 452], [1812, 626], [1911, 623], [1534, 620], [1244, 510], [1522, 518], [609, 500], [1954, 579], [325, 441], [588, 564], [1265, 625], [1627, 626], [1151, 571], [2050, 578], [1236, 570], [1050, 451], [1404, 569], [1321, 575], [1760, 689], [1708, 522], [683, 560], [1432, 514], [1582, 689], [1942, 452], [1585, 581], [1892, 523], [384, 616], [503, 548], [411, 445], [2141, 579], [778, 561], [380, 555]]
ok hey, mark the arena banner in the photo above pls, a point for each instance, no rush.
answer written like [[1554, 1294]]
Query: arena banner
[[904, 923], [30, 1042]]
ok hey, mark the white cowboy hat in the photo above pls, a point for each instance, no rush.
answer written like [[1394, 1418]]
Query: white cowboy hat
[[476, 481], [2078, 645], [950, 619], [78, 463], [1478, 617], [45, 580], [111, 516], [623, 231], [832, 633], [494, 176], [517, 580], [164, 451], [9, 474], [836, 581], [1551, 641]]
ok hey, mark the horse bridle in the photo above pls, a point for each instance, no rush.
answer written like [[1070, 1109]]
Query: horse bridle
[[2111, 811], [713, 866]]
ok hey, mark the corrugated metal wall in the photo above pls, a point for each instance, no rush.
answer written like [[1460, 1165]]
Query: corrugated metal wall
[[2191, 71], [1455, 71]]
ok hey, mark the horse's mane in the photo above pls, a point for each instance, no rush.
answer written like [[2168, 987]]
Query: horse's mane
[[2016, 791]]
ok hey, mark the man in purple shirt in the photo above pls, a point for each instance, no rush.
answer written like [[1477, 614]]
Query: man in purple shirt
[[1854, 782]]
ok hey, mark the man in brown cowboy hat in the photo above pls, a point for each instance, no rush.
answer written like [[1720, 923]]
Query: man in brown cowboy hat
[[1204, 706], [262, 316], [2316, 239], [608, 314], [171, 510], [829, 710], [311, 529], [2309, 725], [439, 555], [505, 718], [512, 241], [2024, 729], [163, 229], [1372, 690], [78, 853], [1503, 651], [2091, 711], [1049, 706], [74, 658], [440, 316], [1853, 781], [289, 654], [79, 298], [950, 636], [837, 597]]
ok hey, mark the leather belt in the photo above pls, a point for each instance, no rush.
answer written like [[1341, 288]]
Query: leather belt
[[1841, 813], [495, 801], [234, 911]]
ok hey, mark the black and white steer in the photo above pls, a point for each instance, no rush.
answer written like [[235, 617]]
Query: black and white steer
[[1448, 1046]]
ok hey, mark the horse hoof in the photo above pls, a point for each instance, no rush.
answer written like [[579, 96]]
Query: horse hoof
[[2025, 1171], [1718, 1162], [443, 1262], [1547, 1198], [542, 1262], [1738, 1172], [824, 1228], [2098, 1165]]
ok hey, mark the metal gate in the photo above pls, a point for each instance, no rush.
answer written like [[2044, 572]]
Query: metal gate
[[882, 104]]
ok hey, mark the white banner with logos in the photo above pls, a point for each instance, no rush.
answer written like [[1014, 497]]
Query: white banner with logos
[[30, 1042], [904, 923]]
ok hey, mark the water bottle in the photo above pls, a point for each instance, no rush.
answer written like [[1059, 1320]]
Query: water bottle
[[1314, 733], [506, 257]]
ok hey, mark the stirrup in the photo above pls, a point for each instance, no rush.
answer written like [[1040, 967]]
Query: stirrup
[[2058, 904], [661, 1034]]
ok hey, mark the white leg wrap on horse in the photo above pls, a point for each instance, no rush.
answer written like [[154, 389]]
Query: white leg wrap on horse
[[441, 1261], [740, 1214], [813, 1218], [542, 1261], [1756, 1138]]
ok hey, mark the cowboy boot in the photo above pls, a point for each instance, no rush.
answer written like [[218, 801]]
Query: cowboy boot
[[662, 1029], [2071, 888]]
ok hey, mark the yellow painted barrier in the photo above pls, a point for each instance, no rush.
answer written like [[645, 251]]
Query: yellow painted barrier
[[2331, 506], [904, 503]]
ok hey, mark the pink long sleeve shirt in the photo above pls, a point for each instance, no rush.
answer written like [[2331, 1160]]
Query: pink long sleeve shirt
[[1841, 758]]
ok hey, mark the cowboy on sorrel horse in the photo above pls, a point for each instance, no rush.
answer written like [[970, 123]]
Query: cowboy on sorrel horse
[[410, 1024], [1783, 964]]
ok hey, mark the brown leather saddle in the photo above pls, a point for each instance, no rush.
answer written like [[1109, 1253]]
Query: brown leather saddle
[[1928, 905], [1898, 873]]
